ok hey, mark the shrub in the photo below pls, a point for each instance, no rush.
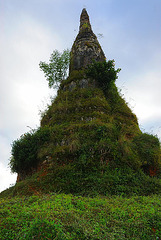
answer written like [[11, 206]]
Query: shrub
[[103, 72], [24, 150], [148, 148]]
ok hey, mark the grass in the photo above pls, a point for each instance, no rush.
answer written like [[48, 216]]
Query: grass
[[63, 216]]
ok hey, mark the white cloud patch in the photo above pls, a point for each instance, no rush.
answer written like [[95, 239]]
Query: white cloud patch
[[6, 178], [23, 86], [146, 92]]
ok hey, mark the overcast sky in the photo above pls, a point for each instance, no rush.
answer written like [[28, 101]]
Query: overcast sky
[[29, 32]]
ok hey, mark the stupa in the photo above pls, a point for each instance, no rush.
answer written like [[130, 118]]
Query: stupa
[[87, 132]]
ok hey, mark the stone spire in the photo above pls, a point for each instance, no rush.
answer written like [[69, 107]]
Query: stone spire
[[84, 21], [86, 47]]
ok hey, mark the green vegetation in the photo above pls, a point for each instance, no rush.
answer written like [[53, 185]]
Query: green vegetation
[[90, 135], [82, 180], [85, 26], [104, 73], [61, 216], [24, 150], [148, 147], [56, 70]]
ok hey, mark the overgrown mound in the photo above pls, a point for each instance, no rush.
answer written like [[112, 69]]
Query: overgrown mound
[[89, 142]]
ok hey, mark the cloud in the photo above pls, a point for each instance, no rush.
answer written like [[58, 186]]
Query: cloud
[[22, 82], [23, 86], [6, 178]]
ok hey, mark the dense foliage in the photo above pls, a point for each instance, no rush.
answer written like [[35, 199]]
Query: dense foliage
[[24, 150], [68, 178], [67, 217], [148, 148], [103, 72], [56, 70]]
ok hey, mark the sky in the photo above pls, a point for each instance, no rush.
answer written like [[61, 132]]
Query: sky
[[30, 31]]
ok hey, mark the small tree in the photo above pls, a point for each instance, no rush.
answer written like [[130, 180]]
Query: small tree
[[56, 70]]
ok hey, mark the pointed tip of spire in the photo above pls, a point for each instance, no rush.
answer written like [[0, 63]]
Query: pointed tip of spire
[[84, 20], [84, 12], [86, 47]]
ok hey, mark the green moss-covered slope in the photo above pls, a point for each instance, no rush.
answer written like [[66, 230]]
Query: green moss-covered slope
[[85, 122], [90, 143]]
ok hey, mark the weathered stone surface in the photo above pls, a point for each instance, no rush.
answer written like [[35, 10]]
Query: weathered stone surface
[[86, 47], [82, 83]]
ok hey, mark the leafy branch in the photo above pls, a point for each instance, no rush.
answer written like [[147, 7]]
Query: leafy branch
[[56, 70]]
